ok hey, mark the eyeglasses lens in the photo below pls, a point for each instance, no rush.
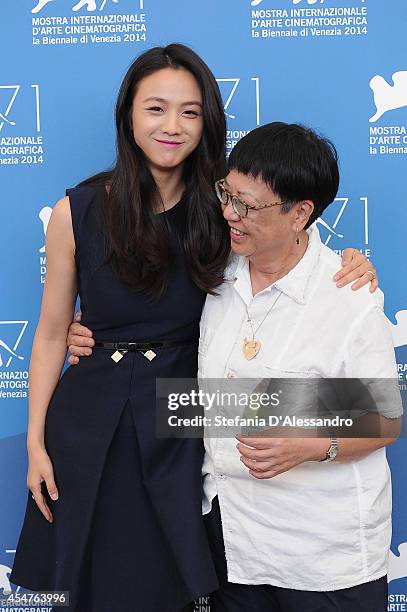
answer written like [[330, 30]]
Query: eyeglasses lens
[[222, 195], [239, 207], [225, 197]]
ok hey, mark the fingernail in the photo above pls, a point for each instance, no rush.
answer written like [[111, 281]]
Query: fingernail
[[340, 284], [54, 496], [336, 277]]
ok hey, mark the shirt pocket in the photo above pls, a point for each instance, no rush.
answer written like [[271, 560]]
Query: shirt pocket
[[297, 391]]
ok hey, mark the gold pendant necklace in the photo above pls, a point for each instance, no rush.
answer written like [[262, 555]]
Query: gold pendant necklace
[[252, 346]]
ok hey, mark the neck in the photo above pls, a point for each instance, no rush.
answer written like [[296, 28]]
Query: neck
[[170, 186], [267, 268]]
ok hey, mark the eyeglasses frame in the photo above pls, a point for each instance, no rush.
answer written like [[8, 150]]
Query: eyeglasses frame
[[232, 197]]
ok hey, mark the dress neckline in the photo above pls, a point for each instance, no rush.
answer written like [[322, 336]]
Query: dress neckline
[[166, 211], [177, 205]]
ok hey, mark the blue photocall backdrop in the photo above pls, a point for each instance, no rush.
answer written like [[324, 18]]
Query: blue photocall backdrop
[[336, 65]]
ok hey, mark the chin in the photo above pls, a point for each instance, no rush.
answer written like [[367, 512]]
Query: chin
[[238, 249], [165, 164]]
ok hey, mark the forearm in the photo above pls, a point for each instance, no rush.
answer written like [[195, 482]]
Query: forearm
[[351, 448], [377, 431], [356, 448], [47, 360]]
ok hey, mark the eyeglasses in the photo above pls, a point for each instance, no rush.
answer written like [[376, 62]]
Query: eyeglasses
[[239, 206]]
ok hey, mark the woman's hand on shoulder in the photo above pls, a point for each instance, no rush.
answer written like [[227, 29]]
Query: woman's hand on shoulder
[[356, 267]]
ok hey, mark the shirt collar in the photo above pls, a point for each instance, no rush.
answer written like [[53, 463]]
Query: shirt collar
[[231, 267], [294, 284]]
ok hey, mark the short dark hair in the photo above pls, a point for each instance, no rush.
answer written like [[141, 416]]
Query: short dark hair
[[293, 160]]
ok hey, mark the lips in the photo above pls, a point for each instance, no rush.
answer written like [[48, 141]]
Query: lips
[[169, 143], [236, 232], [236, 236]]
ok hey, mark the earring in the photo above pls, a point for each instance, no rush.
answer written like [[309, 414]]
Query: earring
[[297, 239]]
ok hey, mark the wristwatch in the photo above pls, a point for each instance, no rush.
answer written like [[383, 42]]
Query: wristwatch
[[332, 450]]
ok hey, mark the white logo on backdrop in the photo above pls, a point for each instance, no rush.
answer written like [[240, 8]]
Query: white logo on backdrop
[[11, 93], [4, 115], [232, 85], [398, 564], [40, 5], [5, 120], [44, 216], [400, 329], [8, 350], [328, 227], [344, 203], [4, 580], [389, 97], [90, 5]]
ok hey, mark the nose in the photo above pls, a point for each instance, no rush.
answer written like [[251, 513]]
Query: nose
[[229, 214], [171, 123]]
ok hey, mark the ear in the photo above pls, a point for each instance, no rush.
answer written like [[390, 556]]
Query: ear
[[303, 211]]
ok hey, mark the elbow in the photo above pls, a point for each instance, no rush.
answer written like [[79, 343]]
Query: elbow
[[394, 429]]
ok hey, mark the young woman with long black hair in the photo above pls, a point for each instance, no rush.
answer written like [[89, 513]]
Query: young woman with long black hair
[[114, 513]]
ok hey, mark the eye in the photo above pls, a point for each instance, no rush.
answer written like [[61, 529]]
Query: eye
[[155, 109], [191, 113]]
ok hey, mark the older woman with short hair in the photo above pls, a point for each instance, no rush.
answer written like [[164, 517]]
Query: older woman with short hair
[[295, 523]]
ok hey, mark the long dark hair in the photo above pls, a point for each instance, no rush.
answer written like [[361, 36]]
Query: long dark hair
[[134, 231]]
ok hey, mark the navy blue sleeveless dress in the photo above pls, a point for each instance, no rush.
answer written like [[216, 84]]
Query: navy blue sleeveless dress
[[128, 534]]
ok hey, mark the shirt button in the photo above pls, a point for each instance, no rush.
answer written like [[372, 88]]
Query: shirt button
[[222, 477]]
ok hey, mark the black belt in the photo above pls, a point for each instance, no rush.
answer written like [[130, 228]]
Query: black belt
[[144, 346]]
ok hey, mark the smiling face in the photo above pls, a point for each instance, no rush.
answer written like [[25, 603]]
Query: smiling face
[[265, 233], [167, 119]]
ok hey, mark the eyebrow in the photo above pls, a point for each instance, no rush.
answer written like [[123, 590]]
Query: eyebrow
[[189, 103], [246, 193]]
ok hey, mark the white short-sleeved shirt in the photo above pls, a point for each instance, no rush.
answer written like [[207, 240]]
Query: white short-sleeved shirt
[[319, 526]]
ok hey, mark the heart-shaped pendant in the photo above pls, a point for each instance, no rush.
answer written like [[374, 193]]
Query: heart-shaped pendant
[[251, 348]]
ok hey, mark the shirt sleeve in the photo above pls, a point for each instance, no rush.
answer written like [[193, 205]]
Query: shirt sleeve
[[370, 356]]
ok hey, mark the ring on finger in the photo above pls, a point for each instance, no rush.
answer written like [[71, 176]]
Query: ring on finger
[[372, 274]]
